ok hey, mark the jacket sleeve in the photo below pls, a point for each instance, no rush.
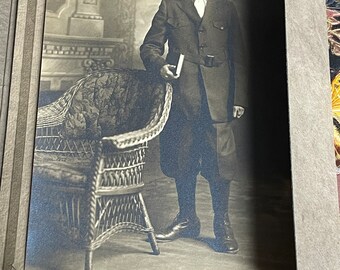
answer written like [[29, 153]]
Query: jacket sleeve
[[239, 59], [152, 48]]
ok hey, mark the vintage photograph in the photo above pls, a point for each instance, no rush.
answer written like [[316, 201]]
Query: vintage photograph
[[161, 138], [156, 134]]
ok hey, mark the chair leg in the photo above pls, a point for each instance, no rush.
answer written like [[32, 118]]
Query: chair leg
[[153, 243], [88, 259], [151, 234]]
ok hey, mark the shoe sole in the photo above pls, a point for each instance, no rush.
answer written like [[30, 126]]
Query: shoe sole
[[220, 250], [194, 236], [232, 252]]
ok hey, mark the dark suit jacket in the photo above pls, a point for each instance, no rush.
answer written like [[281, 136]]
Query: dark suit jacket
[[218, 34]]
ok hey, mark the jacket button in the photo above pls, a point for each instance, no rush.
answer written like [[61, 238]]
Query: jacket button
[[222, 27]]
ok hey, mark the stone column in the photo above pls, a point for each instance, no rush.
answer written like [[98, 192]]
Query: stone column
[[87, 21]]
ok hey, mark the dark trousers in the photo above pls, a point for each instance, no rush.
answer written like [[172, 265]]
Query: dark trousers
[[189, 147], [194, 145], [197, 144]]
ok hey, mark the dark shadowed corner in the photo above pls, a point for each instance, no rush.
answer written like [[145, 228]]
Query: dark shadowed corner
[[274, 228]]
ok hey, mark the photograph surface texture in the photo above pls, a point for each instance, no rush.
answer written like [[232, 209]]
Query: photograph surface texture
[[112, 159]]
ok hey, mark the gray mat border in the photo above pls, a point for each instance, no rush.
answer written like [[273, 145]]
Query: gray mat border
[[316, 209], [18, 150]]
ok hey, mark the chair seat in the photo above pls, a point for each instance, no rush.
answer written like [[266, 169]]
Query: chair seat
[[62, 170]]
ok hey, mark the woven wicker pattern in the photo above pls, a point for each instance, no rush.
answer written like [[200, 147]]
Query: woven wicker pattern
[[103, 123], [118, 214], [123, 169]]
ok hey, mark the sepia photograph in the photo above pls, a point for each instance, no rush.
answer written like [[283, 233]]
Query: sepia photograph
[[145, 139], [167, 134]]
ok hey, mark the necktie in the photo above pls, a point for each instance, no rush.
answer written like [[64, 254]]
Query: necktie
[[200, 6]]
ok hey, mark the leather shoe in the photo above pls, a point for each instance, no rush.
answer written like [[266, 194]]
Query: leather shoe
[[225, 239], [181, 227]]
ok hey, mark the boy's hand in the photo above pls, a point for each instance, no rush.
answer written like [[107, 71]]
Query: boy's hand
[[167, 74], [238, 111]]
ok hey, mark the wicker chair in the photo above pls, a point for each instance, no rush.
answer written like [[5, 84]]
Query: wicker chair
[[90, 150]]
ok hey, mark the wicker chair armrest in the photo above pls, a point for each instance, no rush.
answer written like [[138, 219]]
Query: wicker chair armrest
[[54, 114], [147, 133]]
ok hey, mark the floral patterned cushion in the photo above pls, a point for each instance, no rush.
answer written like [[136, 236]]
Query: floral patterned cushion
[[112, 102]]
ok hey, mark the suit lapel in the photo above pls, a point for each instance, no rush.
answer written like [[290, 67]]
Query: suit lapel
[[187, 6], [210, 10]]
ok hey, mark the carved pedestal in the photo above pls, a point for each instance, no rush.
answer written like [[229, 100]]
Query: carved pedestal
[[75, 41], [67, 58], [87, 21]]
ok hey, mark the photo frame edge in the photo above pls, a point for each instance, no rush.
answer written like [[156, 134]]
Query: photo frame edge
[[19, 140], [322, 176]]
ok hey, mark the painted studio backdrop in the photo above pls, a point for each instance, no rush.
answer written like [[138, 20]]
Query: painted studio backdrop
[[81, 36]]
